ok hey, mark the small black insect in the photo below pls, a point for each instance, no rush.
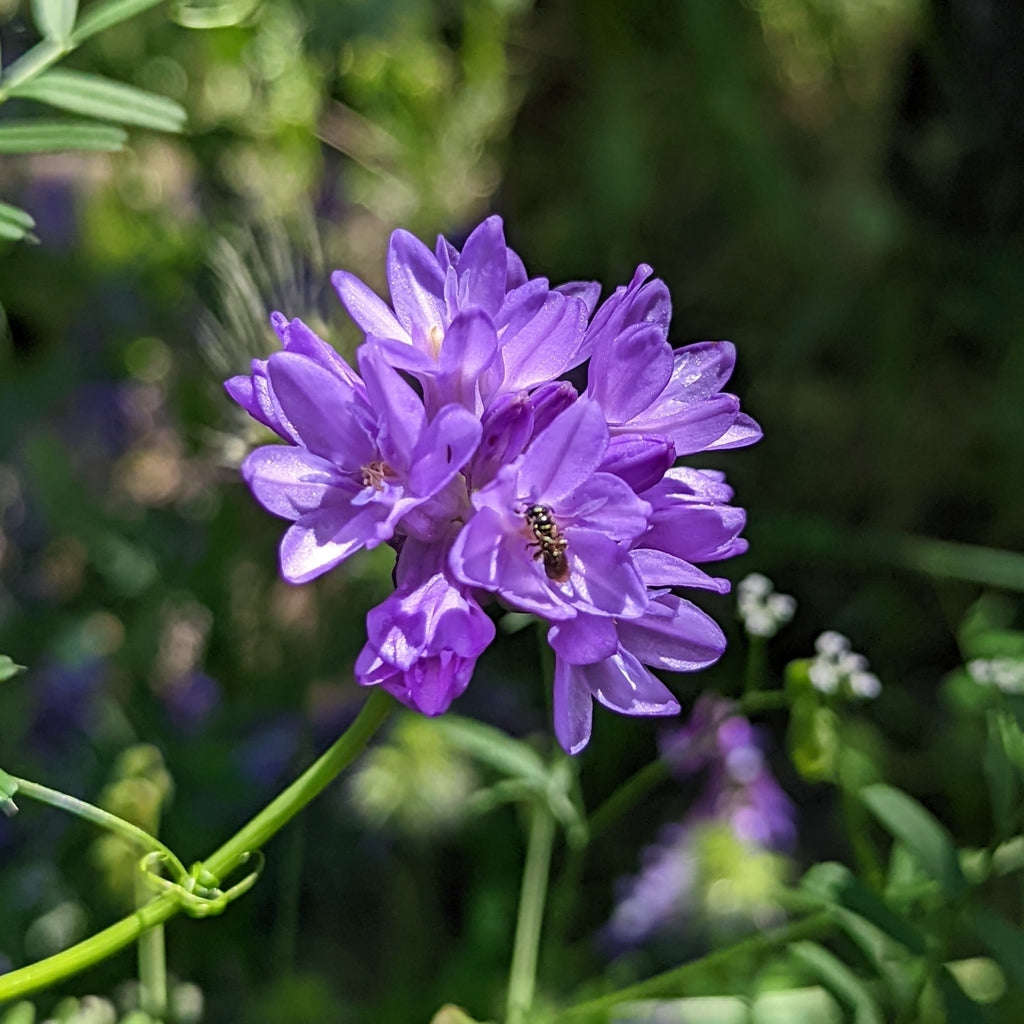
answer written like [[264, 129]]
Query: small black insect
[[551, 544]]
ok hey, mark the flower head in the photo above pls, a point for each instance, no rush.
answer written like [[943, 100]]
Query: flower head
[[456, 441]]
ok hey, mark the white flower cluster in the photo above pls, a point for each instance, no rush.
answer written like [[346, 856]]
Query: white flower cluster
[[835, 664], [1006, 674], [762, 611]]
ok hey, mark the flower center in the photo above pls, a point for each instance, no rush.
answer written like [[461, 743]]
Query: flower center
[[549, 541], [435, 336], [376, 474]]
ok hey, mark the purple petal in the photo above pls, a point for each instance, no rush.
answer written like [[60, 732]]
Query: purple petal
[[482, 267], [323, 409], [300, 339], [605, 503], [691, 428], [602, 576], [443, 449], [289, 481], [572, 708], [676, 635], [627, 375], [744, 431], [702, 370], [638, 460], [659, 569], [546, 345], [320, 540], [624, 685], [470, 347], [588, 292], [584, 639], [399, 407], [417, 283], [564, 455], [697, 533], [366, 307]]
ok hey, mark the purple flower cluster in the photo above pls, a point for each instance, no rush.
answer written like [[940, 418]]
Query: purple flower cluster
[[456, 440]]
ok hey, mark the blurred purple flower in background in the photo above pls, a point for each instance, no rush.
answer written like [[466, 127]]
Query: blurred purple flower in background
[[457, 444], [728, 835]]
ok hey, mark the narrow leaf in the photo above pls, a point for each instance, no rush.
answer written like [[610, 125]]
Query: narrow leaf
[[30, 63], [1002, 774], [218, 14], [920, 831], [8, 787], [840, 980], [14, 224], [102, 15], [960, 1008], [55, 18], [1005, 942], [836, 884], [53, 136], [102, 98]]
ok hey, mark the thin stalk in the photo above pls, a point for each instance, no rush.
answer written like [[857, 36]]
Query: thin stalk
[[523, 973], [152, 963], [97, 816], [222, 863], [674, 981]]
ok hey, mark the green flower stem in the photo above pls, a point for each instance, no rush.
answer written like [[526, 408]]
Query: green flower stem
[[229, 857], [673, 982], [97, 816], [523, 973], [757, 664], [152, 962]]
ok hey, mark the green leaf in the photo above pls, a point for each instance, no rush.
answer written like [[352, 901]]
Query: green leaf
[[813, 1005], [837, 885], [492, 747], [1002, 770], [702, 1009], [30, 63], [104, 99], [9, 668], [921, 832], [212, 13], [8, 787], [20, 1013], [14, 224], [53, 136], [55, 18], [1005, 942], [839, 980], [102, 15], [960, 1009]]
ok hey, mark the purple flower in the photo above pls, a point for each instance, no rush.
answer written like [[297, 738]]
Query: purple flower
[[458, 443], [423, 641], [364, 457], [739, 795]]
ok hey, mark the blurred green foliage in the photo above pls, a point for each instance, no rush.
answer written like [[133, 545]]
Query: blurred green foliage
[[836, 186]]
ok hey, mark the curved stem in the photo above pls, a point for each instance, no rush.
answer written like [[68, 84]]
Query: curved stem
[[222, 862], [98, 816], [523, 973]]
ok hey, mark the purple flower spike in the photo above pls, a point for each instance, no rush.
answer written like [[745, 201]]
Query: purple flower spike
[[459, 443]]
